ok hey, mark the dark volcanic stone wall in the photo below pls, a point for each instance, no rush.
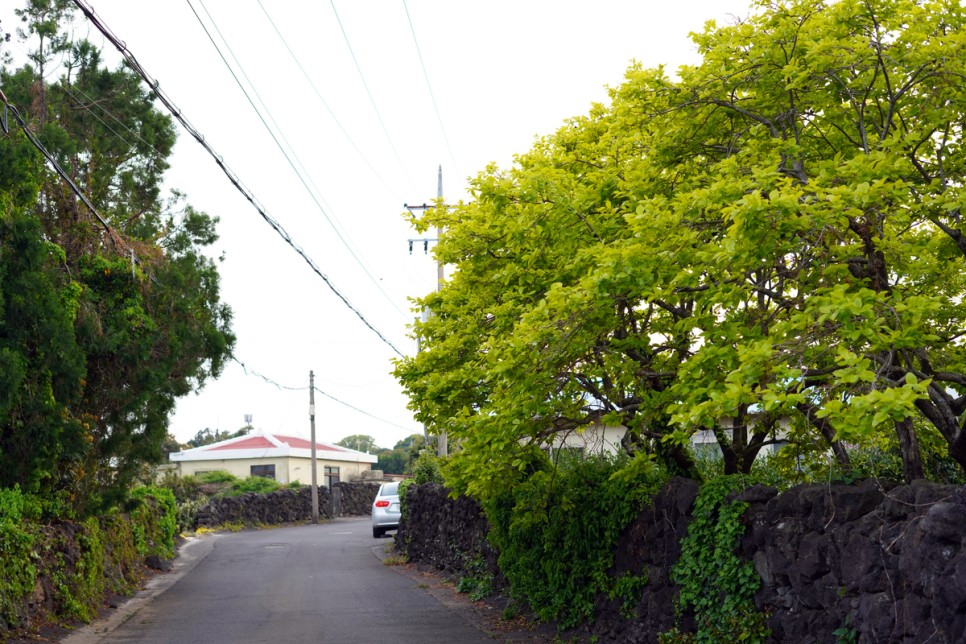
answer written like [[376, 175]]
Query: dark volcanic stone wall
[[287, 505], [443, 532], [650, 544], [887, 562]]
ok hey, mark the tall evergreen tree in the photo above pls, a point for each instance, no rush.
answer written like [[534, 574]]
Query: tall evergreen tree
[[141, 296]]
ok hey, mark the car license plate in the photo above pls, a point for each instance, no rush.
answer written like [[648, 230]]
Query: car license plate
[[394, 507]]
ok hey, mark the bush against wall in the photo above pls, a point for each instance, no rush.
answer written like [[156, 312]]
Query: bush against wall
[[818, 563], [557, 533], [18, 573], [61, 568], [715, 584]]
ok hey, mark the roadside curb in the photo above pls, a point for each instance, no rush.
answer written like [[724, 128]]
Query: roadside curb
[[190, 554]]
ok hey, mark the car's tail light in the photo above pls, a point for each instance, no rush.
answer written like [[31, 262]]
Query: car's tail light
[[382, 504]]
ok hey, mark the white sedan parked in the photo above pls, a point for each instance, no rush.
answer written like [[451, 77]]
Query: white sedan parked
[[385, 509]]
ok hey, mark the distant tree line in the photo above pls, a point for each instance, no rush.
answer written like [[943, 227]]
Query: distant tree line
[[397, 460]]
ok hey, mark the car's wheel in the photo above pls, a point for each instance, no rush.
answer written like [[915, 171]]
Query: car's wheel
[[377, 533]]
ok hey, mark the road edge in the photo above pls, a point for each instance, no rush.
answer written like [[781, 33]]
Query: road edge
[[190, 554]]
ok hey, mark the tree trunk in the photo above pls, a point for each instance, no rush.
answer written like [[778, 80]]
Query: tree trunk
[[909, 447]]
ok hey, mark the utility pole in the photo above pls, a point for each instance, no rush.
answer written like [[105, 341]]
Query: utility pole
[[315, 475], [442, 446]]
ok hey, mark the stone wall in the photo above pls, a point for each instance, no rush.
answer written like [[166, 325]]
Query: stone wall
[[289, 505], [884, 563], [889, 563], [443, 532]]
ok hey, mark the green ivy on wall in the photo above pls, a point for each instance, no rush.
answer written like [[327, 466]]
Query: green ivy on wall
[[714, 581], [556, 534]]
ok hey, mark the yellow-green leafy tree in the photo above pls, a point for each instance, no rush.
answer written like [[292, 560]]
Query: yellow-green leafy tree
[[768, 246]]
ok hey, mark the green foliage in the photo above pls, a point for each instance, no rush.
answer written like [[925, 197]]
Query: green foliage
[[18, 570], [426, 468], [82, 592], [206, 436], [477, 581], [402, 489], [94, 352], [769, 241], [556, 533], [715, 582], [399, 459], [392, 461], [217, 476], [846, 634], [41, 367], [253, 484], [83, 560], [360, 443], [628, 588], [154, 514]]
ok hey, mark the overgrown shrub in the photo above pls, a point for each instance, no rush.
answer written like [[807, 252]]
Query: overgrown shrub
[[79, 562], [401, 490], [557, 531], [154, 516], [255, 484], [18, 572], [216, 476], [80, 592], [426, 468]]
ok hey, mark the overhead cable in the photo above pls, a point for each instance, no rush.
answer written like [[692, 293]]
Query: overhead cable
[[318, 94], [429, 86], [252, 372], [372, 101], [341, 402], [111, 233], [313, 190], [235, 180]]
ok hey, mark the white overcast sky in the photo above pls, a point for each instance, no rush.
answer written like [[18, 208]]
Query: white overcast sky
[[502, 73]]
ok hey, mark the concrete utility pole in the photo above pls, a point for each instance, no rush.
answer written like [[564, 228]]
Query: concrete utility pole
[[315, 475], [442, 446]]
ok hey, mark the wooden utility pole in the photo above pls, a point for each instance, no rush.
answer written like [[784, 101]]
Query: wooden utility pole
[[315, 474]]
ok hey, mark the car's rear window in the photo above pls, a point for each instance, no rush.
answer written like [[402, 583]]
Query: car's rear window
[[389, 489]]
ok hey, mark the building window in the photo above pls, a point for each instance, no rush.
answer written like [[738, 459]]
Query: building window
[[268, 471], [331, 475]]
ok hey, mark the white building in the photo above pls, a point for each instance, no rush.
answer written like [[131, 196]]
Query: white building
[[276, 456]]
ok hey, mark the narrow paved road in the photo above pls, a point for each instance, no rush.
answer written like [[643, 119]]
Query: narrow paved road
[[320, 583]]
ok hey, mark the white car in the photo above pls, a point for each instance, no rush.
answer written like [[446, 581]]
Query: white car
[[385, 509]]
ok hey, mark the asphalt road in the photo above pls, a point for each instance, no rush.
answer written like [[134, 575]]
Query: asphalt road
[[324, 583]]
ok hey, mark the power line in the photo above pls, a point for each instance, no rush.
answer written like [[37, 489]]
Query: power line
[[372, 101], [318, 94], [91, 101], [382, 420], [429, 86], [252, 372], [298, 173], [155, 87], [113, 235]]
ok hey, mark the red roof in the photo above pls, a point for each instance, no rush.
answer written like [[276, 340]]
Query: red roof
[[262, 442], [252, 442]]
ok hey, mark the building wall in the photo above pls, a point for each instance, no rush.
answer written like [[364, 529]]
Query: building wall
[[300, 469], [240, 467], [591, 440]]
